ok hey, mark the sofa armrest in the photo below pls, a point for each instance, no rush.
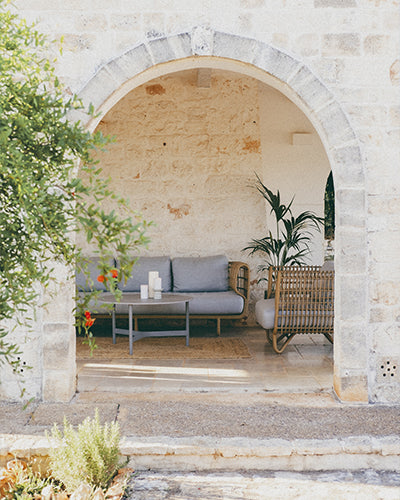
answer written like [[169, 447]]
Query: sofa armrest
[[239, 281]]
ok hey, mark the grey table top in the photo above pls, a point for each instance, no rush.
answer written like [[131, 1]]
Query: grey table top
[[133, 298]]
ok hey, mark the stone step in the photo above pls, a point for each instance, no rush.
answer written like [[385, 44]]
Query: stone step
[[205, 453], [199, 453]]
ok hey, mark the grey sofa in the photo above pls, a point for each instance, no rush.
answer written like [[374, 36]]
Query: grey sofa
[[219, 288]]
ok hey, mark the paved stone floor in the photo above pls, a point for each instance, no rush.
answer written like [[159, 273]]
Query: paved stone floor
[[365, 485], [305, 366]]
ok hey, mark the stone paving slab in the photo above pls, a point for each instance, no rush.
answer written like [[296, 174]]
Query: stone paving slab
[[180, 418], [46, 414], [215, 416], [38, 418], [240, 485], [13, 417]]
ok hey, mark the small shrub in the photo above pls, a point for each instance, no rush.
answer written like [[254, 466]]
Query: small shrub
[[89, 454]]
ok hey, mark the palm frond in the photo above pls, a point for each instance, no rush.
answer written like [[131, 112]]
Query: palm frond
[[290, 245]]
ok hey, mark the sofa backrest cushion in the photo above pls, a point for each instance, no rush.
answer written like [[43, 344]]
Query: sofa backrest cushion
[[200, 274], [85, 285], [140, 273]]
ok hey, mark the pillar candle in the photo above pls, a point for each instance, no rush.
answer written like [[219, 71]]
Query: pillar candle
[[157, 284], [152, 276], [144, 291]]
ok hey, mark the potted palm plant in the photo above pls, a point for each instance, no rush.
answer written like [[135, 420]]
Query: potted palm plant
[[289, 244]]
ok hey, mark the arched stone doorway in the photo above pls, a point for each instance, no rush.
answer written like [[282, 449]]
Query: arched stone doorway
[[205, 48]]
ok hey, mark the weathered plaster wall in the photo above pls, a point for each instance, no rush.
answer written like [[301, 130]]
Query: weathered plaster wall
[[353, 47]]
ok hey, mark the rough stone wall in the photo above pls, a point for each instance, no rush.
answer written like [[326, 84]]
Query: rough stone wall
[[353, 47], [185, 156]]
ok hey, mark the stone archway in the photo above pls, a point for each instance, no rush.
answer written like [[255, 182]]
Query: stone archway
[[204, 47]]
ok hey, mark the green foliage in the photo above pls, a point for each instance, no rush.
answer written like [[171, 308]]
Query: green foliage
[[43, 200], [330, 208], [89, 454], [290, 244]]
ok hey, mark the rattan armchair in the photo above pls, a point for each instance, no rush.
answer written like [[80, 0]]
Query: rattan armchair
[[299, 300]]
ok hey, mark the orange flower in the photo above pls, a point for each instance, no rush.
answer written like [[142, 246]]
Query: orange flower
[[114, 273], [87, 314], [89, 322], [101, 278]]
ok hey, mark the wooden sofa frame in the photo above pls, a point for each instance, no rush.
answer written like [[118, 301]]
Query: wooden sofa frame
[[304, 303], [238, 281]]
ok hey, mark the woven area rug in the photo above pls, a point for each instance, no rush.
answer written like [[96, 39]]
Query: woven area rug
[[165, 348]]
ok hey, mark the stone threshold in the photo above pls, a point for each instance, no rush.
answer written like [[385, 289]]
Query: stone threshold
[[206, 453]]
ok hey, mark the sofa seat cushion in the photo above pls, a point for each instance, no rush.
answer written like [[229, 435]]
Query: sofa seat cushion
[[218, 303], [140, 273], [205, 303], [200, 274]]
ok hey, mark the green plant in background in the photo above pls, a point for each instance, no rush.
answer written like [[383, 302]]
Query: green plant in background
[[43, 200], [329, 203], [88, 455], [289, 244]]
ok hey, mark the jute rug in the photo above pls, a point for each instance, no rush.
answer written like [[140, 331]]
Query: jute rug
[[165, 348]]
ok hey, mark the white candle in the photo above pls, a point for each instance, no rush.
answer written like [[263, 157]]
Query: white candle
[[144, 291], [152, 276], [157, 284]]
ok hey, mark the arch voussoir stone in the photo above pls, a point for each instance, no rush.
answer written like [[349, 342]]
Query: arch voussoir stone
[[170, 48], [202, 41], [132, 62], [277, 63], [103, 84], [348, 172], [310, 89], [335, 125], [235, 47]]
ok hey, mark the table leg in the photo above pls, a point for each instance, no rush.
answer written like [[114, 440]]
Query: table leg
[[114, 335], [187, 322], [130, 330]]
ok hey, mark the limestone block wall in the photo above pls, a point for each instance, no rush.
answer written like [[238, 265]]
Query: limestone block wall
[[47, 361], [352, 46], [185, 156]]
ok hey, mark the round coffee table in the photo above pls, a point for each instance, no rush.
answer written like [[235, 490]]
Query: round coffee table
[[133, 300]]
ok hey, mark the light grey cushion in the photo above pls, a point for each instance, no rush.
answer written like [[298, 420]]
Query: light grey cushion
[[140, 273], [200, 274], [92, 284], [202, 303], [265, 313], [216, 303]]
